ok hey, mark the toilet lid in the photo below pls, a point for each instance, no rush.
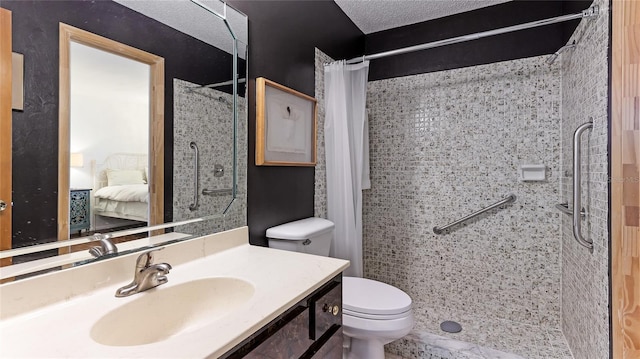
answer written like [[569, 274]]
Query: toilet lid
[[372, 297]]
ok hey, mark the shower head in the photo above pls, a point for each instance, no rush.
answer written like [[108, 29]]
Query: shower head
[[555, 55]]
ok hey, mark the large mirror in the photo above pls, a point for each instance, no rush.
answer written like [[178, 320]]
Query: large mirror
[[134, 124]]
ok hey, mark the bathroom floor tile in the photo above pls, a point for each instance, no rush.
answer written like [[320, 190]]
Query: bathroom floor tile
[[480, 338]]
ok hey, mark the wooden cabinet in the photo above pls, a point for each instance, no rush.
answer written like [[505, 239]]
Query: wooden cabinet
[[79, 218], [310, 329]]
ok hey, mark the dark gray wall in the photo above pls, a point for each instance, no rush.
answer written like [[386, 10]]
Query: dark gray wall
[[35, 130], [282, 38]]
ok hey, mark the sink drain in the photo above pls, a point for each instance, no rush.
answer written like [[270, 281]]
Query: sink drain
[[450, 326]]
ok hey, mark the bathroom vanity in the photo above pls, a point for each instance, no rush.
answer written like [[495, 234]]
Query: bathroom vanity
[[310, 329], [224, 299]]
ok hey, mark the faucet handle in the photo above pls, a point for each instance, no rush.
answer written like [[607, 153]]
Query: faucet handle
[[146, 259]]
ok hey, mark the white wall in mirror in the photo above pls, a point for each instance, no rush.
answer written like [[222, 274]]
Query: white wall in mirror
[[109, 108]]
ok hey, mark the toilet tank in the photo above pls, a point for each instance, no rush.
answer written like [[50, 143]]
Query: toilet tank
[[309, 235]]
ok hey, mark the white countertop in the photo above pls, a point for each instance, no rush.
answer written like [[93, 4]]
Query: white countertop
[[61, 327]]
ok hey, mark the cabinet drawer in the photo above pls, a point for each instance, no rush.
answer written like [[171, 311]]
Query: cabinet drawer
[[332, 349], [289, 342], [310, 329], [325, 310]]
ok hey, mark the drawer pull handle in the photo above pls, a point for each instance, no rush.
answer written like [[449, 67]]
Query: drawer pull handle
[[333, 309]]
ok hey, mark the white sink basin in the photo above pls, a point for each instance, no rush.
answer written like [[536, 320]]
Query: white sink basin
[[162, 312]]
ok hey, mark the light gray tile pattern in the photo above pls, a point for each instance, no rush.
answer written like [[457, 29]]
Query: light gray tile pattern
[[320, 197], [424, 345], [480, 335], [442, 146], [205, 116], [585, 279]]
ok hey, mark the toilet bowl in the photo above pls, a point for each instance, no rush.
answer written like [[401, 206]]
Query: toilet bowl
[[374, 313]]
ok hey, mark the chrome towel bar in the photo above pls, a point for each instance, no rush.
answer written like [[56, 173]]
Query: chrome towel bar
[[508, 199], [577, 185]]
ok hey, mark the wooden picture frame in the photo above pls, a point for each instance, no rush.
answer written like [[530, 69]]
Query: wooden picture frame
[[17, 78], [285, 126]]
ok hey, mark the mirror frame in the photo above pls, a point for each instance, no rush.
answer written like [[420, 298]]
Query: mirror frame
[[69, 33]]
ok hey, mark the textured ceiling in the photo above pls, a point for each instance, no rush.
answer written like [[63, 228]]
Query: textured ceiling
[[191, 19], [377, 15]]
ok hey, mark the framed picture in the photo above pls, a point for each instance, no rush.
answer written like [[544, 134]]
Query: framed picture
[[285, 126], [17, 81]]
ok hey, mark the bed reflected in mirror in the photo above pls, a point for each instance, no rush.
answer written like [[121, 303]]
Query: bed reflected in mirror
[[109, 96], [109, 141], [121, 192]]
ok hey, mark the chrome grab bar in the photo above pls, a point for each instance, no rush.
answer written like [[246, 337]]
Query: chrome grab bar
[[564, 208], [508, 199], [193, 206], [211, 192], [577, 185]]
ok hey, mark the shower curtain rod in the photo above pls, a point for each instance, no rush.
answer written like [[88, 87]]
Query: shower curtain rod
[[218, 84], [590, 12]]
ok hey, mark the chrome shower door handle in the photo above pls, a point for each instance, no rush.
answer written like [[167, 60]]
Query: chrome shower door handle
[[577, 185]]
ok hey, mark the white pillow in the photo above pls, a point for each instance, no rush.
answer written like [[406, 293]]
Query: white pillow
[[122, 177]]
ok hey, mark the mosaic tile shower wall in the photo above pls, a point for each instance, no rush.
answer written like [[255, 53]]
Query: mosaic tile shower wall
[[320, 194], [444, 145], [585, 278], [205, 116]]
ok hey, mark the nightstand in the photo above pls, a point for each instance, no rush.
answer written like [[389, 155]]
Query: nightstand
[[80, 218]]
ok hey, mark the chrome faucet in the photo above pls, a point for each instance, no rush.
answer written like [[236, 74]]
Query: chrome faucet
[[146, 276], [106, 245]]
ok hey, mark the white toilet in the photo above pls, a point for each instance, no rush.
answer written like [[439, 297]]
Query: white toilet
[[374, 313]]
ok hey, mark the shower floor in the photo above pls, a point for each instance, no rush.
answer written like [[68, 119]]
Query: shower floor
[[480, 338]]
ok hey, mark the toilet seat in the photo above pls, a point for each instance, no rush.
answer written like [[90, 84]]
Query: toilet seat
[[370, 299], [374, 316]]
